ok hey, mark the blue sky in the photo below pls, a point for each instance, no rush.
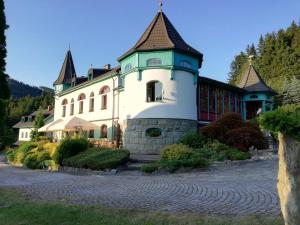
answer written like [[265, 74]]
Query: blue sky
[[99, 31]]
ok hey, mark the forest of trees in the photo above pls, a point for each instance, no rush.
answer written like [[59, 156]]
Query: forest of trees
[[276, 58]]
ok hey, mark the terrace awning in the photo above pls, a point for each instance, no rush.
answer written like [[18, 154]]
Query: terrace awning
[[74, 123], [46, 127]]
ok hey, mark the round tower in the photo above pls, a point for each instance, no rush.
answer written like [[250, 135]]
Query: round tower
[[159, 77]]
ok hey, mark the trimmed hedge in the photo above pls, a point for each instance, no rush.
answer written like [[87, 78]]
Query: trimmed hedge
[[70, 147], [98, 159]]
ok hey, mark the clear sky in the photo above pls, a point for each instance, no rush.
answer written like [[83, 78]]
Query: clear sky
[[99, 31]]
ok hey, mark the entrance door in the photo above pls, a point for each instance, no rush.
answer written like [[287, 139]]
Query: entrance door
[[252, 109]]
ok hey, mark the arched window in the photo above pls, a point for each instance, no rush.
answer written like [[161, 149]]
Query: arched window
[[81, 98], [72, 107], [103, 131], [64, 107], [128, 67], [186, 64], [103, 92], [153, 62], [154, 91], [92, 102]]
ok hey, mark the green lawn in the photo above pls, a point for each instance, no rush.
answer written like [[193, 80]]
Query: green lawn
[[20, 210]]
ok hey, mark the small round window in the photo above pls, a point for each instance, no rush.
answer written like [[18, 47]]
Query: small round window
[[153, 132]]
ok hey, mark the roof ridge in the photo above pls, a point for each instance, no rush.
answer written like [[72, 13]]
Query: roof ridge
[[148, 31], [165, 27]]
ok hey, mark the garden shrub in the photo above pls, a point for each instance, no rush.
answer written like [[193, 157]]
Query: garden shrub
[[150, 168], [70, 147], [98, 159], [50, 147], [34, 159], [245, 137], [213, 131], [20, 153], [231, 130], [221, 152], [193, 140], [176, 152], [285, 119]]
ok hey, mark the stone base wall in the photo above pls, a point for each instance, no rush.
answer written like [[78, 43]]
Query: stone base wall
[[136, 141]]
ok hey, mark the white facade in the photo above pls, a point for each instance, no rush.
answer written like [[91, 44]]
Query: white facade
[[24, 134], [178, 99], [178, 96]]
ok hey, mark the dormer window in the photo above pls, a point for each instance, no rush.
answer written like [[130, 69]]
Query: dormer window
[[64, 107], [154, 91], [128, 67], [154, 62], [185, 64]]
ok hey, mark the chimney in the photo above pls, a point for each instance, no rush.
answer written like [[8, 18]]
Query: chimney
[[107, 66]]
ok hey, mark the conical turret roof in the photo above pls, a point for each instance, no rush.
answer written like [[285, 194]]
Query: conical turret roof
[[253, 82], [162, 35], [67, 70]]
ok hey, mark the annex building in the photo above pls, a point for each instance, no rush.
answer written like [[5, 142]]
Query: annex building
[[153, 97]]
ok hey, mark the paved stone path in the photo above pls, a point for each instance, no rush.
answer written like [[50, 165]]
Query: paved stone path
[[234, 189]]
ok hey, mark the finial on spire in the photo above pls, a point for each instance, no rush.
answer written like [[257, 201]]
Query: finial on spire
[[69, 47], [250, 59], [161, 5]]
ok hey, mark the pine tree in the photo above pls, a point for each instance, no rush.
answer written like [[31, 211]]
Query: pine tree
[[37, 123], [276, 58], [4, 89]]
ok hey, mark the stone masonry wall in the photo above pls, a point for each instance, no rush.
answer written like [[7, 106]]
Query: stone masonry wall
[[136, 140]]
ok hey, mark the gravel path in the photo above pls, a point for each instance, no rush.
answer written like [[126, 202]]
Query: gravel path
[[233, 189]]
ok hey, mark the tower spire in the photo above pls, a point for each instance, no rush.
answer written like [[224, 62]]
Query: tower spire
[[161, 5]]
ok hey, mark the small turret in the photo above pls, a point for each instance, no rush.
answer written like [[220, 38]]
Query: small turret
[[66, 74]]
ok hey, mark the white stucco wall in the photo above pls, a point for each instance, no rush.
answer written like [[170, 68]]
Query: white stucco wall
[[98, 114], [24, 131], [179, 96]]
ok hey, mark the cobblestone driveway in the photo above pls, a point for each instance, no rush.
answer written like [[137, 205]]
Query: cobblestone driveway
[[235, 189]]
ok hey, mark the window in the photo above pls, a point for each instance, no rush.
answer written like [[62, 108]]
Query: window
[[22, 135], [64, 106], [91, 133], [128, 67], [81, 98], [26, 135], [92, 102], [253, 96], [103, 131], [153, 132], [154, 91], [72, 107], [153, 62], [103, 92], [186, 64]]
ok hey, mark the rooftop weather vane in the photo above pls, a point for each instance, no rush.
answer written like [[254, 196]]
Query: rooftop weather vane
[[160, 5]]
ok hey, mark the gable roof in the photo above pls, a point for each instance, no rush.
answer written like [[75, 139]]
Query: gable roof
[[162, 35], [28, 124], [67, 70], [253, 82]]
